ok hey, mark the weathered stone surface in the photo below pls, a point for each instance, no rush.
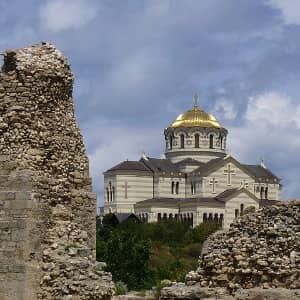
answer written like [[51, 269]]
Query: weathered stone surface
[[267, 294], [182, 292], [260, 249], [47, 208], [258, 258]]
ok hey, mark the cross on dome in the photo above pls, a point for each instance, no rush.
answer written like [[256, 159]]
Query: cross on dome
[[196, 118], [196, 101]]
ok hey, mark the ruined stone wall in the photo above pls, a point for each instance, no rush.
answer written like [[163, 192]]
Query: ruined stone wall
[[47, 208], [261, 249], [257, 258]]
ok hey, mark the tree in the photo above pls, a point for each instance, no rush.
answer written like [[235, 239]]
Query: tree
[[126, 257]]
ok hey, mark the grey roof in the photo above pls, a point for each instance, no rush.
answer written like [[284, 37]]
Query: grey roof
[[227, 194], [161, 200], [230, 193], [256, 171], [124, 216], [130, 166], [190, 161], [260, 172], [206, 166], [266, 202], [222, 197], [176, 201], [160, 165]]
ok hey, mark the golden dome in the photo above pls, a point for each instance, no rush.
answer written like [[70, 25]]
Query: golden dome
[[196, 118]]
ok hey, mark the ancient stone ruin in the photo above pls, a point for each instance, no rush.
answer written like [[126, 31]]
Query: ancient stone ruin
[[259, 255], [260, 249], [47, 207]]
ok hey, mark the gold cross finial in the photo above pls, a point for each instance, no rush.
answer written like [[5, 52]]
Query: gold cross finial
[[195, 101]]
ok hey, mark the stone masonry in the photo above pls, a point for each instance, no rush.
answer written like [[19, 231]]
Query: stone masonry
[[47, 207], [261, 249], [258, 258]]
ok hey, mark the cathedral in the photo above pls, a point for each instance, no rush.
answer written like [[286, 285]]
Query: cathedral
[[197, 181]]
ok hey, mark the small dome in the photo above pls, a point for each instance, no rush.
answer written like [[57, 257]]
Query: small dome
[[195, 118]]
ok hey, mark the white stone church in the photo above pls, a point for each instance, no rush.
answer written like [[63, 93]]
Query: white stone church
[[196, 182]]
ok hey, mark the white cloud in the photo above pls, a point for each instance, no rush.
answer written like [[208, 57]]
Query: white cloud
[[137, 70], [113, 143], [290, 10], [277, 109], [225, 108], [268, 131], [58, 15]]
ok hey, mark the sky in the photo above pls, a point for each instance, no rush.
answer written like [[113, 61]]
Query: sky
[[138, 63]]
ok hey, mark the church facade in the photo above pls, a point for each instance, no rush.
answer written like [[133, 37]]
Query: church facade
[[196, 182]]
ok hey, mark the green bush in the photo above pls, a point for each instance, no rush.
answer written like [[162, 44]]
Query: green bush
[[121, 288], [126, 257], [141, 255]]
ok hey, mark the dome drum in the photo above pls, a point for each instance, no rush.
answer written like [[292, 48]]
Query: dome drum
[[196, 134]]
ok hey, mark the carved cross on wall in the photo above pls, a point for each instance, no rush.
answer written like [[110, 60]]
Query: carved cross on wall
[[213, 182], [229, 172], [126, 187]]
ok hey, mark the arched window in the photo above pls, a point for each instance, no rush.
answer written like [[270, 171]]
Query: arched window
[[171, 142], [262, 192], [107, 194], [192, 188], [204, 217], [196, 140], [216, 218], [211, 141], [177, 187], [266, 193], [158, 217], [113, 193], [210, 217], [182, 141], [110, 191], [242, 208], [165, 217], [221, 142], [221, 219], [236, 213], [173, 187]]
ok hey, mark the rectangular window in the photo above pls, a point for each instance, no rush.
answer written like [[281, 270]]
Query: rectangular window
[[236, 213]]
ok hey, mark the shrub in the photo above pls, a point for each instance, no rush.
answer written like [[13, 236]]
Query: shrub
[[141, 255], [121, 288]]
